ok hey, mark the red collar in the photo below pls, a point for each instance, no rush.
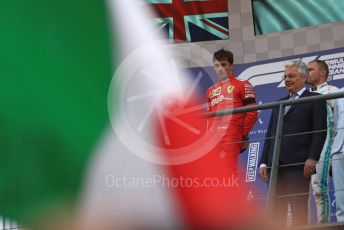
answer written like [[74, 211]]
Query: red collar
[[230, 78]]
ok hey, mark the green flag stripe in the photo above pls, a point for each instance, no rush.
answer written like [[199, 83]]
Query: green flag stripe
[[56, 69]]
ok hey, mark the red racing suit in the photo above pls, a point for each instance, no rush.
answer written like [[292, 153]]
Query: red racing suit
[[227, 95]]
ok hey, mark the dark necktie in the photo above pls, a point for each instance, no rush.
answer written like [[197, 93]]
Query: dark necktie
[[292, 97]]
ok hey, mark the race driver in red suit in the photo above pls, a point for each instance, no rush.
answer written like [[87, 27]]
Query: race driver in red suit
[[228, 93]]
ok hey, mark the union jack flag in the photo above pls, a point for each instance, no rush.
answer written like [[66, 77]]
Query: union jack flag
[[192, 20]]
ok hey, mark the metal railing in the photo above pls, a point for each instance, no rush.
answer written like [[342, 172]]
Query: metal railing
[[280, 104]]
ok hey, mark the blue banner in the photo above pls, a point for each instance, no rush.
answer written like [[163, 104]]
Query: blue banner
[[266, 77]]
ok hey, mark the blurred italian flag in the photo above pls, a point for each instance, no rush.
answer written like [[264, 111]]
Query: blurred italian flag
[[90, 102]]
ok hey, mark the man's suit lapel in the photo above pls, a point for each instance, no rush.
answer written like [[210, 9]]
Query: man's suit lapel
[[304, 94], [283, 99]]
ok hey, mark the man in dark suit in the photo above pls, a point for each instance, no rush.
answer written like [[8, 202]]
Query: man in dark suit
[[299, 152]]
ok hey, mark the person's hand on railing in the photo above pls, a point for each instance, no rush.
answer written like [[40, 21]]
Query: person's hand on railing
[[263, 173], [309, 168]]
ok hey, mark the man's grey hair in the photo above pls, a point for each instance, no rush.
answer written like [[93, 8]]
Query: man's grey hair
[[302, 67]]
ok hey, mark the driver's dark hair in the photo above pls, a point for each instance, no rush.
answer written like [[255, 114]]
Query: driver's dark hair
[[223, 55]]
